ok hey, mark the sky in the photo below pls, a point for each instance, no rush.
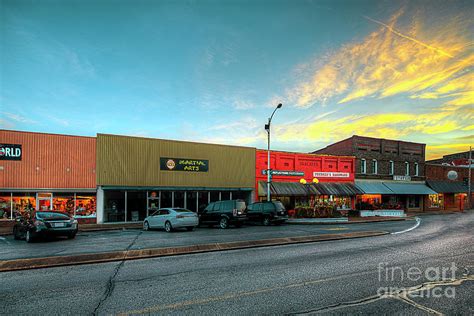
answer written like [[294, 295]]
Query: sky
[[213, 71]]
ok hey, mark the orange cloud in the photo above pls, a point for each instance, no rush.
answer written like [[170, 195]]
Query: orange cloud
[[389, 62]]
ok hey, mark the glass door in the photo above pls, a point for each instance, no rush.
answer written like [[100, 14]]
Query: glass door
[[44, 201]]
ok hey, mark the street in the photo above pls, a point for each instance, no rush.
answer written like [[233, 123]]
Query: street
[[341, 277], [104, 241]]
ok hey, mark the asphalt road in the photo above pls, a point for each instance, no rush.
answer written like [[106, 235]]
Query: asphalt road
[[337, 277], [105, 241]]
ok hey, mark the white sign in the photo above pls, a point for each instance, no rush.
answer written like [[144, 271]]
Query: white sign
[[388, 213], [331, 174], [402, 178]]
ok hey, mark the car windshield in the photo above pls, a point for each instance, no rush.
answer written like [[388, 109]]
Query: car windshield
[[279, 206], [240, 205], [182, 210], [51, 215]]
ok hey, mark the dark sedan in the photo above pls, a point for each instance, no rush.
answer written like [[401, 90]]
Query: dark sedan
[[41, 224]]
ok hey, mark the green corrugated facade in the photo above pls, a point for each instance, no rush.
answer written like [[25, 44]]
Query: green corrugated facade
[[135, 161]]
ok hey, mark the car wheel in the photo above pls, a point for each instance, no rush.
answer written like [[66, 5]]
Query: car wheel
[[29, 237], [146, 226], [15, 233], [190, 229], [224, 223], [168, 227], [266, 221]]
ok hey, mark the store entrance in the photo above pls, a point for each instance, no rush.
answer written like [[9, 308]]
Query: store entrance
[[44, 201]]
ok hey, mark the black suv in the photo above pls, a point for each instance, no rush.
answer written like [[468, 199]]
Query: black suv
[[224, 213], [267, 212]]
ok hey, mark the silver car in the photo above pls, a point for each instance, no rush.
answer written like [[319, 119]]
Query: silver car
[[171, 218]]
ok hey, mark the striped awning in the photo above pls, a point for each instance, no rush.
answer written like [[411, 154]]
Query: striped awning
[[298, 189], [283, 189], [447, 186], [339, 189]]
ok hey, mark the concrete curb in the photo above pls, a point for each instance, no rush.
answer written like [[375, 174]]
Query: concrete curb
[[351, 222], [57, 261]]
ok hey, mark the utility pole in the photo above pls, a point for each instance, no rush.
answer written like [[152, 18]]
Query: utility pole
[[469, 202], [269, 175]]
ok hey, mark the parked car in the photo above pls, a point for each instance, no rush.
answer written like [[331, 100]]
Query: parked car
[[171, 218], [267, 212], [224, 213], [40, 224]]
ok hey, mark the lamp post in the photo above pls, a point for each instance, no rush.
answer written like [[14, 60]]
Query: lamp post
[[267, 128]]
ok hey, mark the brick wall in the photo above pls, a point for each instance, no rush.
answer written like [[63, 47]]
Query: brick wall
[[383, 151]]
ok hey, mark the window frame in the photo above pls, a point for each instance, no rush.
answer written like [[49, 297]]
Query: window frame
[[363, 166]]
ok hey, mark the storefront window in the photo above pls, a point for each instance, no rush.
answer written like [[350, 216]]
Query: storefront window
[[203, 198], [23, 203], [114, 206], [225, 195], [413, 201], [191, 200], [64, 202], [166, 199], [86, 206], [214, 196], [434, 200], [238, 195], [153, 202], [342, 202], [178, 199], [136, 206], [368, 201], [5, 206]]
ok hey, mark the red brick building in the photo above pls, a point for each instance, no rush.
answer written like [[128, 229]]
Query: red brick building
[[451, 185], [307, 179], [389, 172]]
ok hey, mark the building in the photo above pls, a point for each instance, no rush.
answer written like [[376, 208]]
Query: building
[[457, 159], [307, 180], [136, 176], [451, 185], [47, 171], [389, 172], [112, 178]]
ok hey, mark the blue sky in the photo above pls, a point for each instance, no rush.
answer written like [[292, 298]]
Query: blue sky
[[213, 71]]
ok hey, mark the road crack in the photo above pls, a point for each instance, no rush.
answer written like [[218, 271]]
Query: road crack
[[111, 282], [400, 295]]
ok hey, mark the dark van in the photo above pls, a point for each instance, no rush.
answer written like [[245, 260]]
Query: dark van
[[267, 213], [224, 213]]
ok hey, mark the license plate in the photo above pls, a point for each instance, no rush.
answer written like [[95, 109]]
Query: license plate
[[59, 224]]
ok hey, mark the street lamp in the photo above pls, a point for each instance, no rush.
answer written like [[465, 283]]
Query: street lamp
[[267, 128]]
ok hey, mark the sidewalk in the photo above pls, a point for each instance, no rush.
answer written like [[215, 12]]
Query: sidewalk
[[6, 227], [344, 220]]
